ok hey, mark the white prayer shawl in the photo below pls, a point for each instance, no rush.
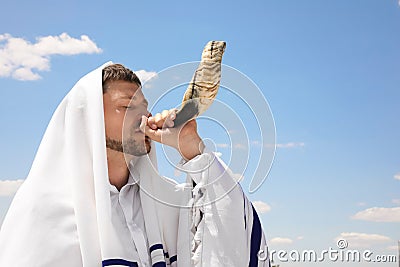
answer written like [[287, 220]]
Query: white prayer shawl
[[61, 215]]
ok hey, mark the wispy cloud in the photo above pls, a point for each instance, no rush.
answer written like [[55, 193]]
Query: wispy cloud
[[145, 77], [259, 144], [218, 154], [362, 240], [240, 146], [235, 146], [22, 60], [177, 172], [396, 201], [376, 214], [280, 241], [222, 145], [9, 187], [261, 207], [279, 145], [397, 176], [290, 145]]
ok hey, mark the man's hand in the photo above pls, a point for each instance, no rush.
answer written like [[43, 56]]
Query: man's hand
[[184, 138]]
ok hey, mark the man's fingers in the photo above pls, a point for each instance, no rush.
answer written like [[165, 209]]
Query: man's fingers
[[143, 124], [170, 117], [158, 120], [164, 113], [172, 113], [151, 122], [165, 119], [153, 134]]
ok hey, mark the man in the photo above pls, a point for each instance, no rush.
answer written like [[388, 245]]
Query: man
[[94, 197]]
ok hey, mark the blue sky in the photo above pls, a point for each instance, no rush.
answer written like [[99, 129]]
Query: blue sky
[[328, 69]]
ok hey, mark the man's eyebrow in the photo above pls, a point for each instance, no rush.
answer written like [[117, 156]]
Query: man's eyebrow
[[128, 97]]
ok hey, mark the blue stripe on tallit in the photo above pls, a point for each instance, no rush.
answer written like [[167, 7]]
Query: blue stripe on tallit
[[173, 259], [256, 233], [156, 246], [159, 264], [244, 211], [120, 262], [166, 254]]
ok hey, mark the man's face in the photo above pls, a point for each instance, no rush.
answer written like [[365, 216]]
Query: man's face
[[124, 106]]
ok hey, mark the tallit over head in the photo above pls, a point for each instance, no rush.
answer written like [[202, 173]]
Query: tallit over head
[[61, 215]]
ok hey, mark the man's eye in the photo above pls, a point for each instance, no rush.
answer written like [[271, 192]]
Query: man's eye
[[127, 107]]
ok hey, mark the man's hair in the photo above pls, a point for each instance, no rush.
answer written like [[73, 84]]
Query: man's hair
[[117, 72]]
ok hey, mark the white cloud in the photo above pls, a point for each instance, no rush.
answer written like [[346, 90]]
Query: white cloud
[[65, 45], [279, 145], [300, 237], [259, 144], [396, 201], [218, 154], [222, 145], [376, 214], [145, 77], [4, 36], [9, 187], [240, 146], [255, 143], [21, 59], [290, 145], [397, 176], [25, 74], [261, 207], [280, 241], [235, 146], [362, 240], [392, 248], [177, 172], [361, 204]]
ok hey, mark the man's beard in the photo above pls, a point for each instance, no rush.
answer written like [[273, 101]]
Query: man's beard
[[129, 146]]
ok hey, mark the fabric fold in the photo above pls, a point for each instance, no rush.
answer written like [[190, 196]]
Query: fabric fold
[[220, 231]]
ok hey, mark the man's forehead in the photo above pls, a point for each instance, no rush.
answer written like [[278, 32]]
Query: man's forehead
[[124, 89]]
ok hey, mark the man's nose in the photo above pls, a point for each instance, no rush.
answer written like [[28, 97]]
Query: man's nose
[[144, 112]]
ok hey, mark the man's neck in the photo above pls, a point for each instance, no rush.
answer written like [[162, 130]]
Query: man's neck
[[118, 171]]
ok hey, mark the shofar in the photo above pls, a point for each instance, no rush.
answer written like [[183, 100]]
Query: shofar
[[204, 86]]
